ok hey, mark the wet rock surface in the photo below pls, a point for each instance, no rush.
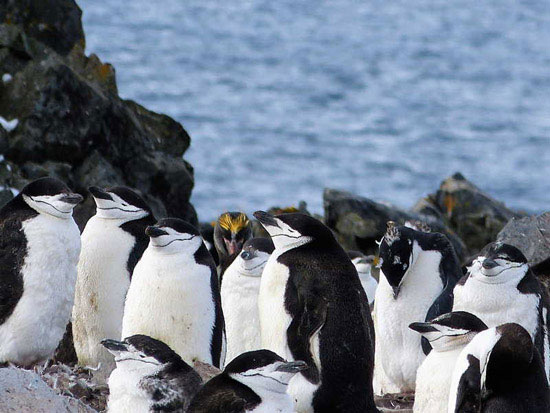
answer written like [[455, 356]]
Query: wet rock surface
[[71, 124]]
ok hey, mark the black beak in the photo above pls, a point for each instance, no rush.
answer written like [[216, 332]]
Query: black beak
[[489, 263], [396, 291], [72, 198], [114, 345], [99, 193], [267, 220], [293, 366], [422, 327], [154, 231]]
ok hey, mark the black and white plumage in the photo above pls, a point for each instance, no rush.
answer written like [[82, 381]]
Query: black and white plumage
[[231, 231], [255, 381], [501, 288], [239, 294], [500, 371], [149, 377], [418, 271], [174, 295], [448, 334], [39, 248], [313, 308], [113, 241], [363, 264]]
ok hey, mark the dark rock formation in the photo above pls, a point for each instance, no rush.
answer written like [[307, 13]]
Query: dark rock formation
[[72, 124], [360, 222], [472, 214]]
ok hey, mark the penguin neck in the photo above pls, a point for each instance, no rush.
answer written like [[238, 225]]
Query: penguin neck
[[452, 343]]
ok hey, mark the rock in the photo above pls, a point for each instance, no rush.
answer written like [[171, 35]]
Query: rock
[[472, 214], [359, 223], [72, 124], [25, 391], [531, 235]]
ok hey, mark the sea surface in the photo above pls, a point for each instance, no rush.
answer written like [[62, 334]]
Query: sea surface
[[382, 98]]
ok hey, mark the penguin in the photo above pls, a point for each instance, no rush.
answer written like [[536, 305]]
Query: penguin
[[501, 288], [255, 381], [500, 371], [418, 271], [232, 229], [313, 308], [448, 334], [39, 248], [363, 265], [112, 243], [207, 234], [239, 295], [174, 294], [149, 377]]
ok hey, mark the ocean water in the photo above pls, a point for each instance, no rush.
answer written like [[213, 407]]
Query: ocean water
[[381, 98]]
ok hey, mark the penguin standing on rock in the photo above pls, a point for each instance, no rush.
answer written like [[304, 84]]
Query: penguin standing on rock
[[39, 248], [149, 377], [448, 334], [239, 294], [232, 229], [501, 288], [255, 381], [112, 243], [174, 295], [500, 371], [418, 271], [363, 265], [313, 308]]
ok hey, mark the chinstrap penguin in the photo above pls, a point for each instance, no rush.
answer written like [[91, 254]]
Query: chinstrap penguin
[[112, 243], [232, 229], [255, 381], [239, 294], [39, 248], [149, 377], [448, 334], [174, 295], [501, 288], [313, 308], [363, 265], [418, 271], [500, 371]]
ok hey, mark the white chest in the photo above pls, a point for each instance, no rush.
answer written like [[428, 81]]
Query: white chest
[[369, 284], [49, 276], [125, 395], [274, 320], [276, 403], [170, 299]]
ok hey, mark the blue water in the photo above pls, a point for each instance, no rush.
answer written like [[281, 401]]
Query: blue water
[[382, 98]]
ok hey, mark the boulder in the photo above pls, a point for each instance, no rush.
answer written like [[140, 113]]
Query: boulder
[[359, 223], [70, 121]]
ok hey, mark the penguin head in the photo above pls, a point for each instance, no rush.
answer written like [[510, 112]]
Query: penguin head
[[450, 330], [254, 256], [294, 229], [173, 236], [120, 203], [232, 229], [363, 263], [142, 354], [396, 254], [263, 371], [500, 263], [50, 196]]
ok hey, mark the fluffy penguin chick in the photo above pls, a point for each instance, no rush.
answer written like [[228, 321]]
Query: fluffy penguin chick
[[39, 247], [363, 265], [448, 334], [418, 272], [149, 377], [174, 295], [255, 381], [500, 371], [232, 229], [313, 308], [501, 288], [112, 243], [239, 293]]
